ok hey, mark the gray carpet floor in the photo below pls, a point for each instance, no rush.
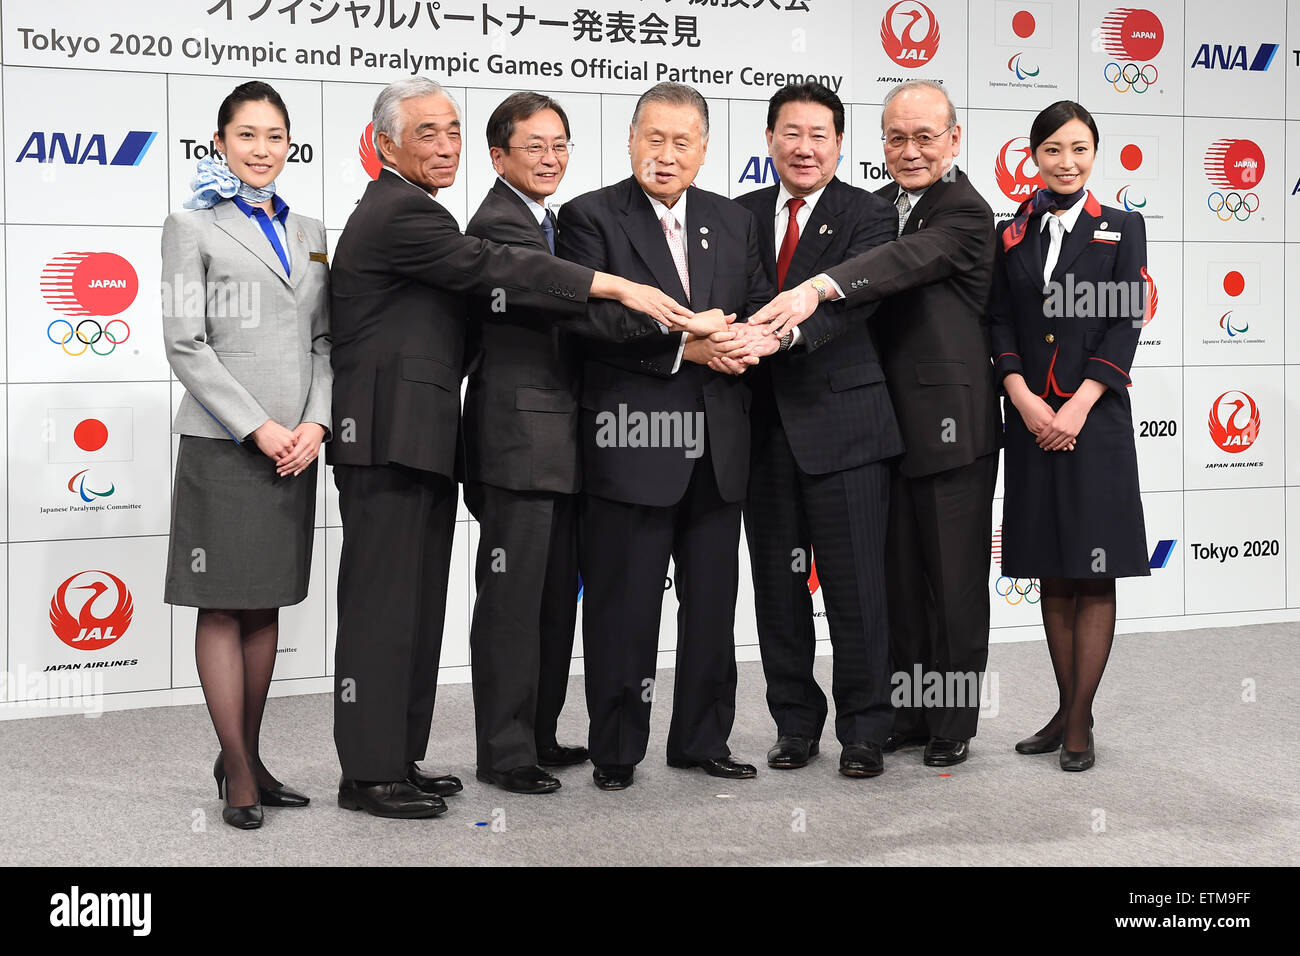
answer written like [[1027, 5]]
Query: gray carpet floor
[[1188, 773]]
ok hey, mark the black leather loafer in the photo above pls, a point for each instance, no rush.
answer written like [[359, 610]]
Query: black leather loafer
[[791, 752], [396, 799], [1078, 759], [613, 777], [942, 752], [724, 767], [862, 759], [554, 755], [1040, 743], [443, 786], [898, 741], [520, 780]]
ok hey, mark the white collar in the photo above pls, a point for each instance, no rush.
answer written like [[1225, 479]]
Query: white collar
[[536, 208], [1068, 218], [678, 211], [783, 196], [404, 179]]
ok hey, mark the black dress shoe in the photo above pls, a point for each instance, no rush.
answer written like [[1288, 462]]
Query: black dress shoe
[[725, 767], [862, 759], [553, 755], [395, 798], [241, 818], [521, 780], [899, 741], [942, 752], [791, 752], [1040, 743], [443, 786], [613, 777], [278, 796], [1078, 759]]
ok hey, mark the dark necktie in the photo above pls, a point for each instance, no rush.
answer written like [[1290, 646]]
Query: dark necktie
[[549, 228], [789, 242]]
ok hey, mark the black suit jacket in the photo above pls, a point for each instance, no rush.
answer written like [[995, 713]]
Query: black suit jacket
[[521, 404], [401, 273], [830, 389], [615, 230], [934, 330], [1054, 344]]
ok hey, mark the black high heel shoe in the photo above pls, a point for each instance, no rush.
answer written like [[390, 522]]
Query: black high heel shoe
[[1078, 759], [280, 796], [241, 818]]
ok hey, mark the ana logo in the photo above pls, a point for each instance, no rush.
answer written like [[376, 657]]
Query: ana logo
[[759, 169], [1020, 71], [1217, 57], [95, 150], [1163, 552], [89, 284], [91, 613], [1021, 180], [909, 33], [1235, 165], [1234, 421], [370, 160], [1130, 36]]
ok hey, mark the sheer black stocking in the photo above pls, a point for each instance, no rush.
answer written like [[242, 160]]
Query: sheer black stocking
[[1079, 619], [235, 654]]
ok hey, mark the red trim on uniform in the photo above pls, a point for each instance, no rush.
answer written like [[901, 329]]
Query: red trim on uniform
[[1005, 354], [1051, 379], [1091, 206], [1094, 358], [1106, 242]]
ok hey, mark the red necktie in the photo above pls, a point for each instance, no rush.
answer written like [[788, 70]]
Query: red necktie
[[789, 242]]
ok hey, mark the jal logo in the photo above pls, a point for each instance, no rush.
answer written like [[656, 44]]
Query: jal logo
[[89, 283], [1234, 421], [909, 33], [370, 160], [1132, 35], [813, 581], [1015, 171], [78, 149], [91, 610], [1215, 56], [1153, 298]]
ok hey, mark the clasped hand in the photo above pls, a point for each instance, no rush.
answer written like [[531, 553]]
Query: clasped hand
[[292, 451]]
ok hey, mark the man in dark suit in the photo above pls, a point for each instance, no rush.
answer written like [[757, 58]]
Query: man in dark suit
[[521, 471], [823, 428], [934, 338], [665, 444], [401, 272]]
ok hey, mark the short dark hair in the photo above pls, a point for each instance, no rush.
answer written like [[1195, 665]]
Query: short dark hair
[[517, 107], [254, 91], [806, 93], [1054, 117], [675, 94]]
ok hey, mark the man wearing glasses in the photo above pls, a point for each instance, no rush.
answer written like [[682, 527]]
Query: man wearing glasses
[[522, 474], [933, 336]]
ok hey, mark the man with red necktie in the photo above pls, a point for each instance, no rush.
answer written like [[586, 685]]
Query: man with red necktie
[[822, 427]]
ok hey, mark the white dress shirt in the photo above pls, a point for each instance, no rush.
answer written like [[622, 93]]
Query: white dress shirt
[[1068, 220], [678, 212], [805, 212]]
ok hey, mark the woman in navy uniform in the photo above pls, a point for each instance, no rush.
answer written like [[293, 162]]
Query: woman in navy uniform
[[1067, 307]]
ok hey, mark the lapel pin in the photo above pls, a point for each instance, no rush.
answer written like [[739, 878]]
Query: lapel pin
[[704, 243], [1104, 225], [822, 231], [704, 230], [300, 238]]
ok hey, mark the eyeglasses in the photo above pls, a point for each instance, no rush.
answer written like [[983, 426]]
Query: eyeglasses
[[538, 150], [922, 140]]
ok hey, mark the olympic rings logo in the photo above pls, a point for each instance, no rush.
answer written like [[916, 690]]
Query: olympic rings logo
[[1233, 205], [89, 340], [1130, 76], [1014, 592]]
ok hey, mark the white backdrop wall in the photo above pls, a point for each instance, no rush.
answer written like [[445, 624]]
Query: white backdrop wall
[[106, 108]]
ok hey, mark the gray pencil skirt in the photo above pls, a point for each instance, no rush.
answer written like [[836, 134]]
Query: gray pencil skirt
[[241, 536]]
